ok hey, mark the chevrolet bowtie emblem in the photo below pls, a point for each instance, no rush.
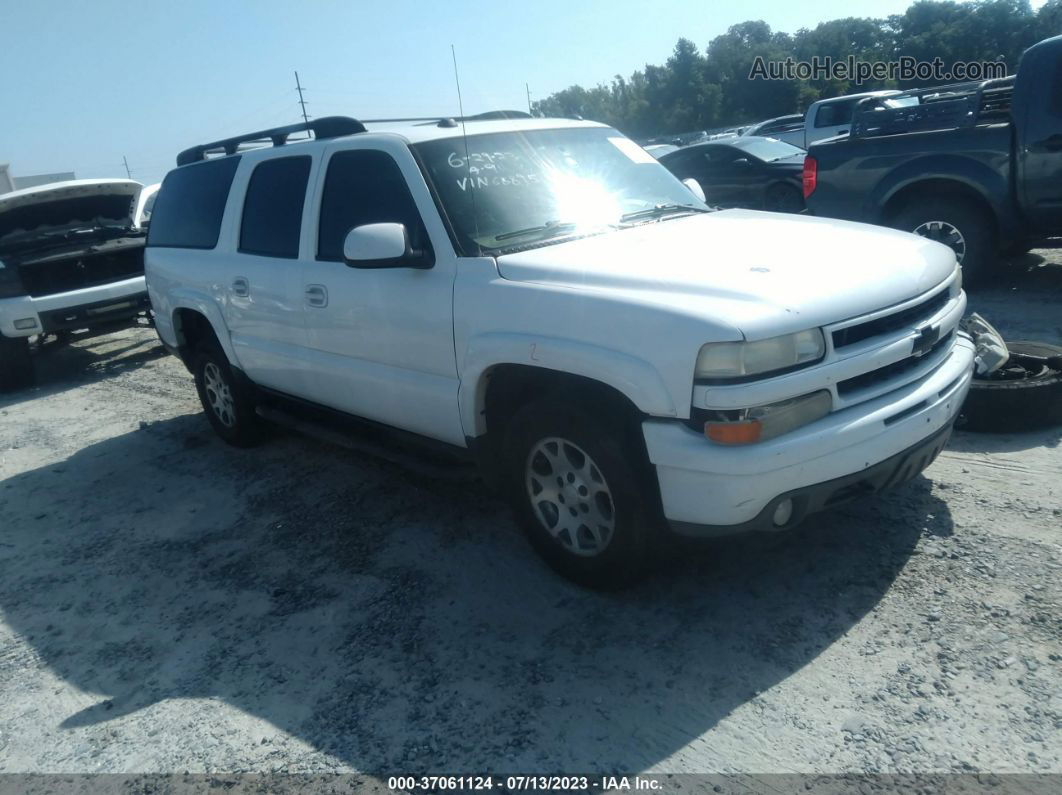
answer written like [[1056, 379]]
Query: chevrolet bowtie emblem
[[926, 339]]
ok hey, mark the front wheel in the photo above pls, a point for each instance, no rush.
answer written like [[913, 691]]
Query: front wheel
[[959, 224], [580, 490], [226, 403], [16, 364]]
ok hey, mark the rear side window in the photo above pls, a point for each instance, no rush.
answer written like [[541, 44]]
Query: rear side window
[[834, 113], [190, 204], [272, 209], [364, 187]]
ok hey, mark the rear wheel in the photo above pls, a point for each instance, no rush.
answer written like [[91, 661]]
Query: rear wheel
[[957, 223], [228, 405], [16, 364], [580, 491], [783, 199]]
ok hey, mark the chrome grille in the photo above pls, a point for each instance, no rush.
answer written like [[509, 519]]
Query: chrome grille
[[892, 371], [911, 316]]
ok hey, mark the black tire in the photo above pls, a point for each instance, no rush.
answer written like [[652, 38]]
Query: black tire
[[16, 364], [977, 250], [234, 419], [783, 199], [617, 454], [1023, 401]]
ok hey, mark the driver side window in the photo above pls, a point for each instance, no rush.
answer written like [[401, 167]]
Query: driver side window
[[364, 186]]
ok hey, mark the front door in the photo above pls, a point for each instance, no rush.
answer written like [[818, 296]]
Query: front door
[[381, 339]]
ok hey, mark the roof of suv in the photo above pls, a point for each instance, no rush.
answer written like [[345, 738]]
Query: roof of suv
[[418, 132], [412, 131]]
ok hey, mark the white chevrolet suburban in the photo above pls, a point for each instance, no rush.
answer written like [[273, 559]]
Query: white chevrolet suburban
[[544, 295], [71, 257]]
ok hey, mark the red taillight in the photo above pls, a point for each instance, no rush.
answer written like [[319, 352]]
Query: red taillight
[[811, 175]]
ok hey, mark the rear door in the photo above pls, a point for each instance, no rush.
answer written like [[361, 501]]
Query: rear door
[[380, 340], [263, 306]]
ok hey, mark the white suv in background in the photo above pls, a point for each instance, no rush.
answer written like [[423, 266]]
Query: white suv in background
[[71, 257], [543, 295]]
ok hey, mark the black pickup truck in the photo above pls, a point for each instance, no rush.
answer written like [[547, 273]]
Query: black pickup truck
[[977, 166]]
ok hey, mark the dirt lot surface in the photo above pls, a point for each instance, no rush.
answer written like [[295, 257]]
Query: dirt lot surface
[[168, 603]]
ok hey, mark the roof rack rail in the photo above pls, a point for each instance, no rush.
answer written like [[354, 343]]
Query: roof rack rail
[[450, 121], [325, 127]]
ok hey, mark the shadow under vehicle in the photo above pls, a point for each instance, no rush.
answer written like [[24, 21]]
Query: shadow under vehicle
[[395, 623]]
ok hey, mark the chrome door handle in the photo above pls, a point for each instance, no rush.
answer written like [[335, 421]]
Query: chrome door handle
[[316, 295], [241, 287]]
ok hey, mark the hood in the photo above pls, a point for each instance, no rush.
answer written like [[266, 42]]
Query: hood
[[763, 273], [44, 210]]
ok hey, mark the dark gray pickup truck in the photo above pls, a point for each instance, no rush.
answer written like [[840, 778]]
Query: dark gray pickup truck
[[977, 166]]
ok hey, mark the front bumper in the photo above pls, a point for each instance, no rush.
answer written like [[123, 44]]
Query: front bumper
[[84, 308], [711, 490]]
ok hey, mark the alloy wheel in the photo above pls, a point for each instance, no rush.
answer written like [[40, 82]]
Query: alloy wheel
[[943, 232], [219, 395], [570, 496]]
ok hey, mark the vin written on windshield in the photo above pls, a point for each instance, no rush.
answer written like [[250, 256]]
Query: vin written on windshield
[[519, 189]]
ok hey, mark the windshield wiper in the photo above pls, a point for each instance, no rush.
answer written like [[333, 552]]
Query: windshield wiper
[[549, 226], [661, 210]]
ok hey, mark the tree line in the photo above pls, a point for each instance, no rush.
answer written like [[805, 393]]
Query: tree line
[[697, 90]]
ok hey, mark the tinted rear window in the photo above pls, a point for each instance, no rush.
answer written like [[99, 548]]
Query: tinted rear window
[[190, 204], [272, 210]]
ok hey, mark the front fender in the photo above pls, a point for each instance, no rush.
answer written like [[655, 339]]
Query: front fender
[[636, 379]]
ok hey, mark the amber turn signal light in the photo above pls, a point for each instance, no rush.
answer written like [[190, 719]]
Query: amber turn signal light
[[746, 432]]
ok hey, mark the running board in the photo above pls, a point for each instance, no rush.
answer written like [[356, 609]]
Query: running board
[[426, 461]]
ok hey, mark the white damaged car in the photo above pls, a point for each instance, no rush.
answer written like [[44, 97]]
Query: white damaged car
[[71, 257]]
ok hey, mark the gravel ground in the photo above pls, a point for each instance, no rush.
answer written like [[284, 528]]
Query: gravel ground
[[171, 604]]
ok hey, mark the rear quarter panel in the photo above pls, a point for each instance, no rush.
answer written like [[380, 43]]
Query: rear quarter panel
[[857, 177]]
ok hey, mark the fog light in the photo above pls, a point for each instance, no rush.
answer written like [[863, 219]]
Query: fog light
[[783, 512], [26, 323]]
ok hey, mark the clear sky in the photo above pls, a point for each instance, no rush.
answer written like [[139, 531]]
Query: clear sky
[[84, 83]]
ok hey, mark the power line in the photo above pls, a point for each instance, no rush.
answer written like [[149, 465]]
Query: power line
[[302, 102]]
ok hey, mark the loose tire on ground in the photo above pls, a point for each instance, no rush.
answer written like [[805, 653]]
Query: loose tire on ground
[[1022, 402], [226, 403], [579, 481], [939, 218], [16, 363]]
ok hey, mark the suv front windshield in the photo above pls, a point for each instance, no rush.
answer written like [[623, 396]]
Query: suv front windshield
[[521, 189]]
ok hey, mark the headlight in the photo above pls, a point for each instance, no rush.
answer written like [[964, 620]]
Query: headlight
[[729, 360]]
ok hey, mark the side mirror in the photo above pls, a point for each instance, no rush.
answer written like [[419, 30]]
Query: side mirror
[[383, 245], [695, 188]]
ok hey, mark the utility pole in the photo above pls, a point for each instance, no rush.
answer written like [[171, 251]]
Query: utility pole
[[125, 162], [526, 86], [302, 102]]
